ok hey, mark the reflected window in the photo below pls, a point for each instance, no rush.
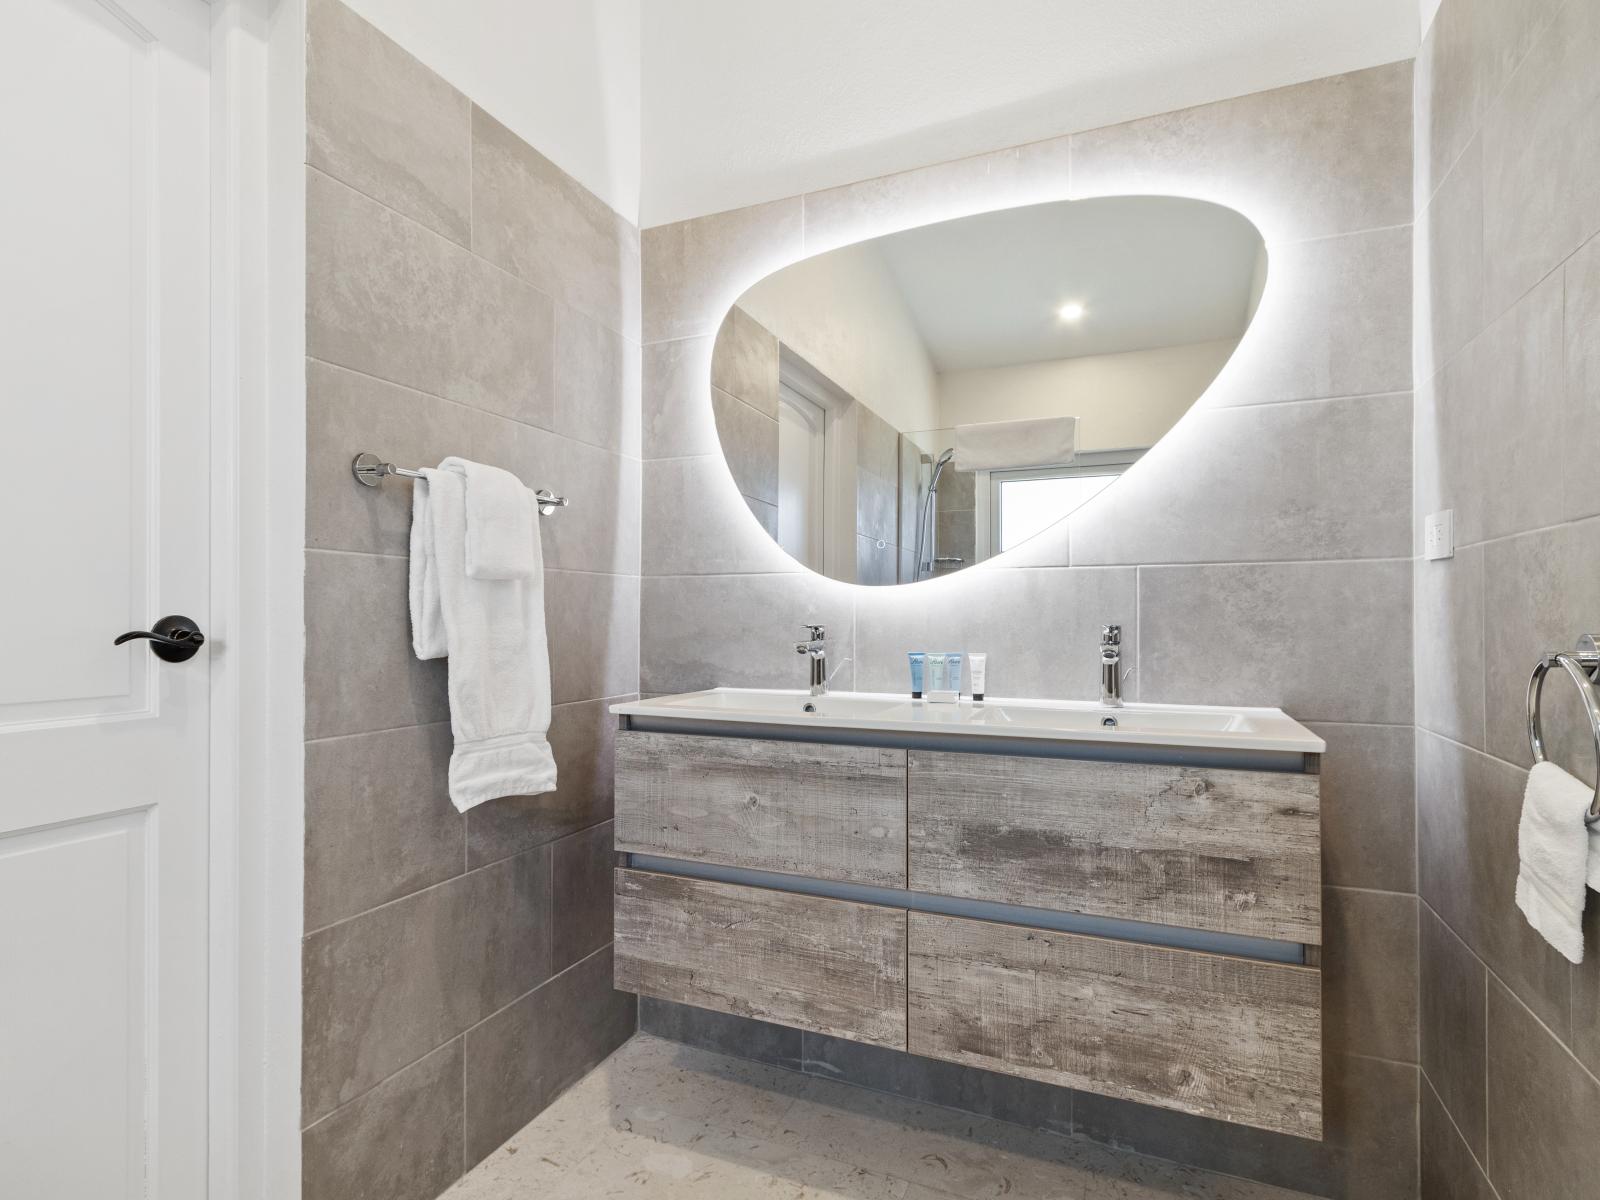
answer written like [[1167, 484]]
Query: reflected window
[[1024, 503]]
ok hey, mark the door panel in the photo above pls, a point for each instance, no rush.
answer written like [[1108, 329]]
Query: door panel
[[104, 366]]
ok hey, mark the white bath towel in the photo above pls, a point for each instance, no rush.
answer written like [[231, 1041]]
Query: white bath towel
[[493, 632], [1010, 445], [1553, 846], [502, 521]]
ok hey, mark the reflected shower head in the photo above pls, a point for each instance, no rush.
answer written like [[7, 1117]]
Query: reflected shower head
[[939, 466]]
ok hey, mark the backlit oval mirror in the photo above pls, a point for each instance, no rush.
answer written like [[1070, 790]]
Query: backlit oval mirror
[[902, 408]]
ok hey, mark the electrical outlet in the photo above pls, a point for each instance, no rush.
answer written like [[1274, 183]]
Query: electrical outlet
[[1438, 535]]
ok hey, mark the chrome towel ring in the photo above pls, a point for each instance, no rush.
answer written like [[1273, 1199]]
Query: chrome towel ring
[[1583, 664]]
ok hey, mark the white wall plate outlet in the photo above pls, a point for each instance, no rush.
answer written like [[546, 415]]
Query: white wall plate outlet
[[1438, 535]]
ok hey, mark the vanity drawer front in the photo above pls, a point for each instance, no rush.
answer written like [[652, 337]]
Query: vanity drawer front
[[1198, 847], [829, 812], [832, 966], [1230, 1038]]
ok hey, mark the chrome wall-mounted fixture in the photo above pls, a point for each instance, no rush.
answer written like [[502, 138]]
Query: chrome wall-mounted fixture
[[1583, 665], [369, 469]]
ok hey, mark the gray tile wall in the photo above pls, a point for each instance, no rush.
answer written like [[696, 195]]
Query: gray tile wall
[[1507, 362], [1259, 554], [464, 296]]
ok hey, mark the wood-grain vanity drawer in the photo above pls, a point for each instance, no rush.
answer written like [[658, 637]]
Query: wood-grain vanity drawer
[[829, 812], [832, 966], [1203, 848], [1230, 1038]]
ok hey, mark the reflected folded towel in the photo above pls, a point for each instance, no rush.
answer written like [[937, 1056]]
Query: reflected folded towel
[[1553, 846], [493, 632], [1010, 445]]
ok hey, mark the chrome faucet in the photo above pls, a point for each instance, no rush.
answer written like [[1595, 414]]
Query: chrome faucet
[[817, 648], [1111, 666]]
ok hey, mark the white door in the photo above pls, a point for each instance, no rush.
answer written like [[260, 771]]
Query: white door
[[104, 526], [802, 471]]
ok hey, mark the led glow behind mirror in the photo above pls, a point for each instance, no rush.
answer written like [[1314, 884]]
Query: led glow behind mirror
[[908, 406]]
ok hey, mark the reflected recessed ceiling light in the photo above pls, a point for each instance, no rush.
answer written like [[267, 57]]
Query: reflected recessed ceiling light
[[1070, 311]]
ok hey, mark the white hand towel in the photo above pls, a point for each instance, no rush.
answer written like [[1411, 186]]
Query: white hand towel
[[502, 521], [1009, 445], [493, 633], [1553, 844]]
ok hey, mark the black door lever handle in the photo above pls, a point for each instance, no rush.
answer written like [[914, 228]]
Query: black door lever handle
[[172, 639]]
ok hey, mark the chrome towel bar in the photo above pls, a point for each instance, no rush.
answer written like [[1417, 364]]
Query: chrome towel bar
[[369, 469], [1583, 665]]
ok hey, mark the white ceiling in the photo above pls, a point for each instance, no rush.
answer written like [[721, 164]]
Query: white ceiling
[[751, 100], [1150, 271]]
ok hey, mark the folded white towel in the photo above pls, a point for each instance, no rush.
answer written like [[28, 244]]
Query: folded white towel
[[1553, 845], [1010, 445], [502, 521], [493, 632]]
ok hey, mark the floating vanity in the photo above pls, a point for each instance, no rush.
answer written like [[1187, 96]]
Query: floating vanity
[[1124, 901]]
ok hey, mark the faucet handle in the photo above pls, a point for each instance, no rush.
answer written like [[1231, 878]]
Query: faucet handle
[[1111, 635], [817, 631]]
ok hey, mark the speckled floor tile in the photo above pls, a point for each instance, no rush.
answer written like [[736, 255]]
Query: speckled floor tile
[[660, 1121]]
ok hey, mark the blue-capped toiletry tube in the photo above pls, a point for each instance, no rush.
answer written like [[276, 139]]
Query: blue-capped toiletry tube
[[953, 672], [919, 661], [936, 672]]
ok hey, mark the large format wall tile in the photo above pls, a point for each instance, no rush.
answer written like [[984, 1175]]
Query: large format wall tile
[[740, 631], [1369, 973], [695, 270], [1452, 999], [595, 381], [1324, 641], [1586, 995], [1448, 627], [1449, 1171], [1318, 480], [1541, 175], [749, 444], [383, 123], [1335, 320], [1369, 831], [592, 622], [379, 822], [1470, 50], [744, 362], [1319, 158], [1541, 592], [677, 379], [401, 1141], [1447, 253], [695, 522], [522, 1058], [581, 895], [582, 736], [385, 988], [1542, 1143], [361, 672], [389, 298], [535, 220], [1581, 423], [1040, 628], [1468, 806], [347, 413]]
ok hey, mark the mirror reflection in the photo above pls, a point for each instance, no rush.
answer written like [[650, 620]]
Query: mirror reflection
[[905, 407]]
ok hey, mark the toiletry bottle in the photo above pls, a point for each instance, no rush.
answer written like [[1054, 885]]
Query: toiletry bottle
[[980, 669], [953, 672], [919, 661], [936, 672]]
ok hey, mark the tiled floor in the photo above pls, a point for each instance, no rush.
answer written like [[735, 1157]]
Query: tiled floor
[[660, 1120]]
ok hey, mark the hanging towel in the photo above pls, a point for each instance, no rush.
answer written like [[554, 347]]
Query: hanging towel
[[502, 521], [1010, 445], [1553, 844], [492, 631]]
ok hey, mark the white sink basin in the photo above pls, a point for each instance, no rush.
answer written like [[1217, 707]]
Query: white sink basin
[[1203, 726]]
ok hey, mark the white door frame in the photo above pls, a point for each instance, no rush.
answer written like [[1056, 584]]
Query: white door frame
[[257, 555]]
